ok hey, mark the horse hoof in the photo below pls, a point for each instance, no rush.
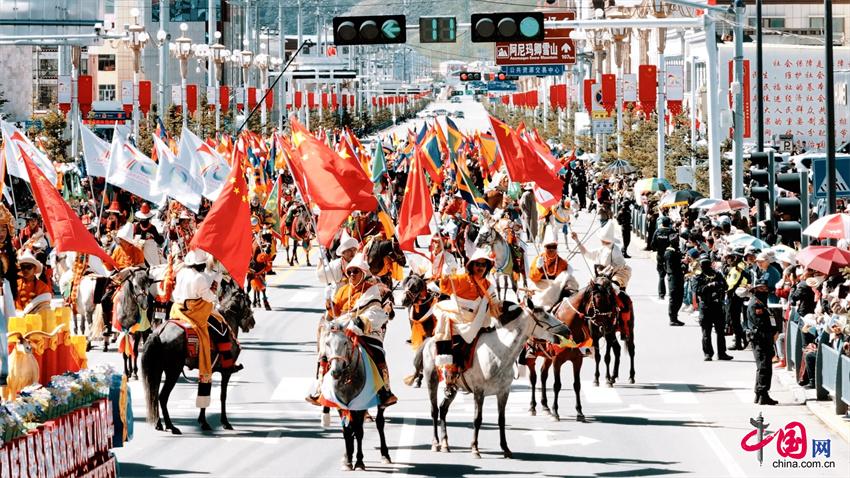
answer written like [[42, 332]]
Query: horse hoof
[[226, 425], [386, 460], [346, 467], [176, 431], [435, 447], [547, 411], [206, 427], [556, 417], [580, 418], [631, 380], [135, 376], [476, 454], [508, 454], [326, 420], [532, 412], [158, 426], [596, 383], [610, 384], [444, 447], [360, 465], [88, 346]]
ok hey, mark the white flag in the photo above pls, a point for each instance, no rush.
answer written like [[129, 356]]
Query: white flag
[[205, 163], [17, 141], [131, 170], [95, 153], [174, 179]]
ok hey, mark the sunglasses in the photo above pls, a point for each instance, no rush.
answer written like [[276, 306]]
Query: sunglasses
[[353, 272], [26, 267], [551, 248], [479, 264]]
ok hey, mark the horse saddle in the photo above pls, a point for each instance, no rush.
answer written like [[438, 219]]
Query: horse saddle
[[220, 343]]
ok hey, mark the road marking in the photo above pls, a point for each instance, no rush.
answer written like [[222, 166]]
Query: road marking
[[406, 441], [603, 394], [719, 450], [743, 390], [273, 437], [676, 393], [292, 389], [543, 439], [304, 296]]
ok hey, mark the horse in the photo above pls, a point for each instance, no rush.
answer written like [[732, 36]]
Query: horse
[[419, 301], [131, 307], [301, 232], [347, 376], [574, 311], [604, 325], [492, 369], [167, 352], [504, 260], [382, 255]]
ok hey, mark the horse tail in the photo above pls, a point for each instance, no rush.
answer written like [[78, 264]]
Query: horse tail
[[152, 368], [417, 365]]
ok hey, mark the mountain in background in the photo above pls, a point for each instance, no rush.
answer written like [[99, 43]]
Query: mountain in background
[[463, 50]]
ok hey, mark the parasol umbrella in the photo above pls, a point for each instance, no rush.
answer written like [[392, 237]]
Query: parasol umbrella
[[678, 198], [746, 240], [826, 259], [619, 167], [723, 207], [832, 226], [704, 203], [651, 184]]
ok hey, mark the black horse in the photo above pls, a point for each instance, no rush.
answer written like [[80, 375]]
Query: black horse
[[381, 254], [419, 301], [166, 351], [605, 321]]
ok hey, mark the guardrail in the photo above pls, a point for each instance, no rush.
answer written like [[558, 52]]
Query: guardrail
[[794, 345], [831, 375]]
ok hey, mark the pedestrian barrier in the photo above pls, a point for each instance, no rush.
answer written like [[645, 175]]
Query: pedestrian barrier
[[842, 395], [829, 373], [794, 345]]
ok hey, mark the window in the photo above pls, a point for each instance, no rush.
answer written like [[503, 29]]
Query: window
[[109, 6], [837, 24], [106, 92], [106, 63], [767, 22], [46, 96], [47, 68], [185, 10]]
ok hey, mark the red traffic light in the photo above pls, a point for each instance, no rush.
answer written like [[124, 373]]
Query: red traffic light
[[464, 76], [502, 76]]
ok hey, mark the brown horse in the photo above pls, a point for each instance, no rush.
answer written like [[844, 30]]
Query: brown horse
[[578, 311], [301, 232]]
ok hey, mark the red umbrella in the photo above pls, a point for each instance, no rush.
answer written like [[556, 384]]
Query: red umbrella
[[826, 259], [833, 226], [723, 207]]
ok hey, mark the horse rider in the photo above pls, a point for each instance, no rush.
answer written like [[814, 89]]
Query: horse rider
[[710, 288], [181, 233], [459, 320], [675, 269], [194, 302], [549, 264], [260, 265], [358, 303], [126, 254], [32, 232], [607, 259], [32, 294], [333, 273], [558, 219], [761, 327], [146, 231], [443, 262]]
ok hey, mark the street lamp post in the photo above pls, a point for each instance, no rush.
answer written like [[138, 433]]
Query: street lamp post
[[162, 42], [218, 55], [660, 11], [247, 57], [182, 49], [261, 62], [135, 41], [619, 35]]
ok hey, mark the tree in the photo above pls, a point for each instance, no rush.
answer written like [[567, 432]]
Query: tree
[[52, 136], [3, 100]]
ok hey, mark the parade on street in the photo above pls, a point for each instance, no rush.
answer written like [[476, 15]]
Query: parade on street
[[300, 238]]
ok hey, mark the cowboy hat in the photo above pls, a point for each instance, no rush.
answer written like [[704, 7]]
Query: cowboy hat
[[125, 233], [480, 254], [358, 262], [347, 242], [114, 207], [27, 257], [195, 257], [144, 212], [549, 237], [184, 215], [608, 232]]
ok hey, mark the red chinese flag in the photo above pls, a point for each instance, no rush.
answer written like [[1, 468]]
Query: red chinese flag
[[224, 98], [335, 184], [270, 99], [416, 211], [588, 94], [511, 150], [145, 96], [324, 100], [63, 225], [252, 97], [609, 91], [647, 87], [192, 98], [85, 91], [226, 231]]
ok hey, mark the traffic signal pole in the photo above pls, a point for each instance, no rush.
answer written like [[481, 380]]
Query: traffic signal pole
[[738, 166], [830, 110]]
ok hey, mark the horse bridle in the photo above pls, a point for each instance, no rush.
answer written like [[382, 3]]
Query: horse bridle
[[141, 297], [349, 362]]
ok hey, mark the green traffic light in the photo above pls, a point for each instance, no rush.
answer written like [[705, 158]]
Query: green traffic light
[[391, 29], [452, 29], [434, 30], [529, 27]]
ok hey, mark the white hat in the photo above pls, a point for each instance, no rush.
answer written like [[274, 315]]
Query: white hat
[[608, 232], [27, 257], [184, 215], [788, 257], [359, 262], [126, 233], [765, 256], [195, 257], [480, 253], [549, 237], [346, 242]]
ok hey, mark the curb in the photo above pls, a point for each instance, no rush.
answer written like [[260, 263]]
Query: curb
[[822, 409]]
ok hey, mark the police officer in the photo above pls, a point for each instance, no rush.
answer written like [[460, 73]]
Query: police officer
[[711, 292], [659, 244], [736, 276], [760, 328], [675, 269], [624, 219]]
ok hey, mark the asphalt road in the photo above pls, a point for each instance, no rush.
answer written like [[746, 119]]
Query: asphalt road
[[683, 416]]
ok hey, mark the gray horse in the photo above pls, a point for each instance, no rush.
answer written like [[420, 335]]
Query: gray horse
[[347, 369], [492, 370]]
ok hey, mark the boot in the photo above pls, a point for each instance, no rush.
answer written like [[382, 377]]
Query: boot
[[676, 323], [707, 358], [766, 400], [266, 304], [236, 368], [724, 357], [780, 364], [386, 398]]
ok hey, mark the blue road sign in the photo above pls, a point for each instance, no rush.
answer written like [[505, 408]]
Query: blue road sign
[[533, 70], [842, 176], [501, 86]]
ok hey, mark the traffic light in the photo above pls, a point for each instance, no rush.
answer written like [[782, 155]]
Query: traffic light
[[504, 77], [792, 212], [507, 27], [437, 30], [370, 30], [470, 76], [761, 185]]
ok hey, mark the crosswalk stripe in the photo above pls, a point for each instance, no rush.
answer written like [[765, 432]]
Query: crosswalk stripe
[[676, 393], [291, 389], [601, 394], [743, 390], [304, 296], [406, 440]]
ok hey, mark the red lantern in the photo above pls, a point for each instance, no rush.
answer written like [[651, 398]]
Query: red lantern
[[145, 96], [269, 99], [252, 97], [192, 98], [224, 98], [647, 87]]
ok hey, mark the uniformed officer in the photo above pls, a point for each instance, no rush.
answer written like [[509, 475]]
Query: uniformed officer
[[761, 328], [736, 276], [675, 269], [711, 292], [659, 245]]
